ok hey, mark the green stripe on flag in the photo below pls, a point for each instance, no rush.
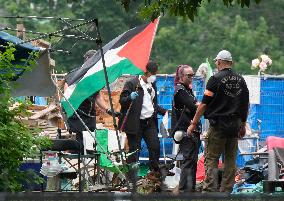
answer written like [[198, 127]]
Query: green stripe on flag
[[96, 82]]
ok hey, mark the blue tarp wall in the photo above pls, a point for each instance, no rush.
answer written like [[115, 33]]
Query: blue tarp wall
[[270, 110], [165, 91]]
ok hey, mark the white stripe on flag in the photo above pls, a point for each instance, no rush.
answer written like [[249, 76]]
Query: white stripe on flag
[[69, 91], [111, 58]]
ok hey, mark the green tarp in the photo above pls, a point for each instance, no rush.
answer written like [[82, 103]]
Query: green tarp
[[104, 162], [102, 138]]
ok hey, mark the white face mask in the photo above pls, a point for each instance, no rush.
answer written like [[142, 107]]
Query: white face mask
[[151, 79]]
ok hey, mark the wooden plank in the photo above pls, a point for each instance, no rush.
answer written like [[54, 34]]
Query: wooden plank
[[36, 107], [43, 112], [51, 63]]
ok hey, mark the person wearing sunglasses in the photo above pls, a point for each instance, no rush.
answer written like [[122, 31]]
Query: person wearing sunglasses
[[184, 108]]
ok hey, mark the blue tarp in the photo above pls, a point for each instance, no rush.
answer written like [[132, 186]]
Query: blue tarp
[[270, 110], [22, 52], [5, 38]]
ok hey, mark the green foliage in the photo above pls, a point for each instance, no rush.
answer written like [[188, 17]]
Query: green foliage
[[112, 21], [245, 31], [187, 9], [17, 141], [184, 42]]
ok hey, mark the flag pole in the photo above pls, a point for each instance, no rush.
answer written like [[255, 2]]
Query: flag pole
[[99, 44]]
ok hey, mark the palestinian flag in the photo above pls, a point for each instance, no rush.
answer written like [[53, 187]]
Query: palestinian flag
[[126, 54]]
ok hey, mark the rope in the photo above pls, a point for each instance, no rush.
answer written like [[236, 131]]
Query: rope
[[44, 34], [56, 32], [69, 24], [78, 40], [87, 37], [41, 18]]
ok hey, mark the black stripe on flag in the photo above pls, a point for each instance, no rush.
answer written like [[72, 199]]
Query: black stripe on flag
[[75, 75]]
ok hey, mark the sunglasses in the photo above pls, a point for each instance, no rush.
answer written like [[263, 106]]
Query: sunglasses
[[190, 75]]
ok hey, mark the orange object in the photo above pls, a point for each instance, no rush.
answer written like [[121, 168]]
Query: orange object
[[208, 93]]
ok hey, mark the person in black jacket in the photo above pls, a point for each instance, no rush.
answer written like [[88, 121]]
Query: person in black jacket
[[138, 118], [184, 108], [225, 104]]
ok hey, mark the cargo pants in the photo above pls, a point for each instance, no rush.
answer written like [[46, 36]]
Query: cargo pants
[[215, 146]]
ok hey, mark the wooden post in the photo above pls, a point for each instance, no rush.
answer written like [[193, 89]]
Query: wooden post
[[21, 34]]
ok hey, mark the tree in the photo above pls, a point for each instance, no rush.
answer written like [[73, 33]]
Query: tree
[[113, 20], [188, 9], [17, 140], [178, 39], [184, 42]]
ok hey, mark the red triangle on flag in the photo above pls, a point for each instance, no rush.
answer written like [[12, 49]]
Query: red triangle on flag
[[138, 49]]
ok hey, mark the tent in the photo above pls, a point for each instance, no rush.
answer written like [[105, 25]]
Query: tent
[[37, 81]]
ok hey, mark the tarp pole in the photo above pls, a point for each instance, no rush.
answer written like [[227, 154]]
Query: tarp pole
[[54, 35], [41, 18], [99, 44]]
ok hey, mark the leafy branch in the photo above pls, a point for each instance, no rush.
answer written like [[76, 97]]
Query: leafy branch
[[185, 8], [17, 140]]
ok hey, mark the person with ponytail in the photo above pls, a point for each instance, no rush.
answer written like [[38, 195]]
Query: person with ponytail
[[184, 108]]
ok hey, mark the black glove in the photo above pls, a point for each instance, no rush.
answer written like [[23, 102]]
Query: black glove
[[116, 114]]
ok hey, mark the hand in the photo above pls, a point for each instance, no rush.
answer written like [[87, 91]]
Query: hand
[[197, 104], [133, 95], [242, 131], [164, 112], [116, 114], [190, 129]]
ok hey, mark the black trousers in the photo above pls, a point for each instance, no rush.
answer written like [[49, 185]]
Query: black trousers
[[189, 147], [147, 131]]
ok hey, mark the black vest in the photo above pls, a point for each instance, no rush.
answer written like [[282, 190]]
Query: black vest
[[181, 116], [227, 98]]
